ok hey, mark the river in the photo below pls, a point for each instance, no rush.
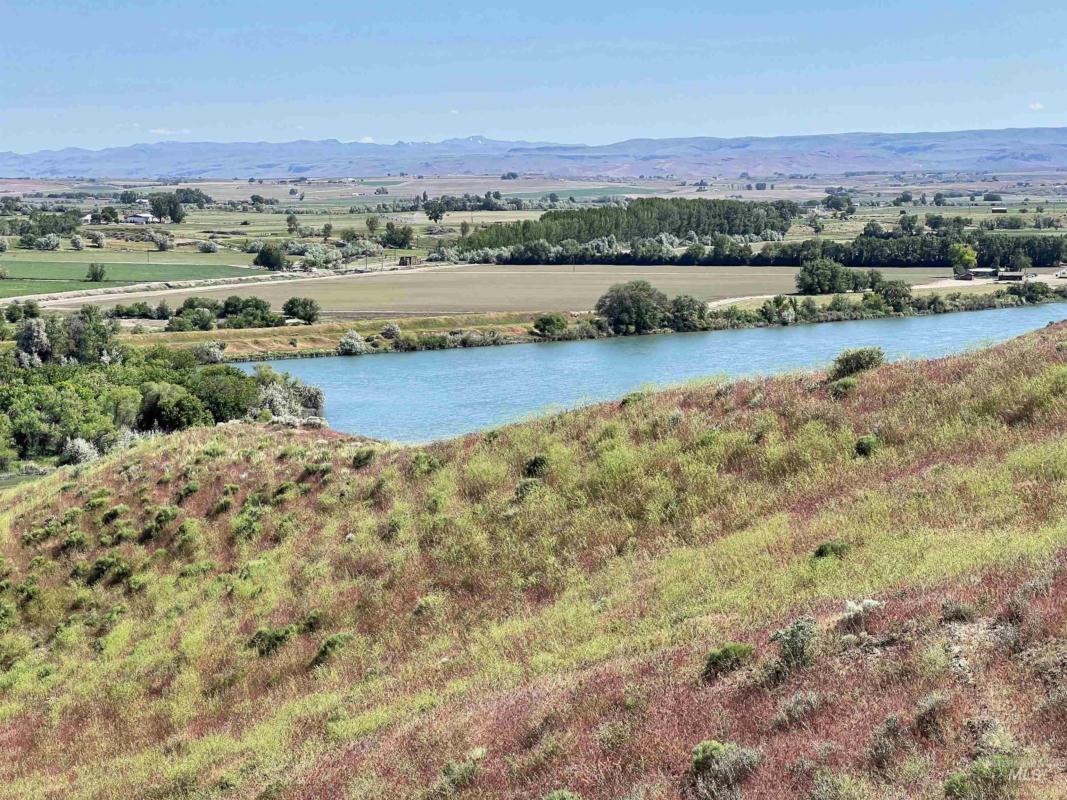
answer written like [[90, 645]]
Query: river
[[416, 397]]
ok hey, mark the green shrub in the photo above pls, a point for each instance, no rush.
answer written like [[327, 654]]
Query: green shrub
[[832, 548], [550, 325], [248, 523], [268, 640], [187, 491], [843, 387], [633, 398], [526, 487], [986, 779], [363, 457], [796, 649], [188, 540], [718, 769], [458, 775], [114, 513], [536, 466], [867, 445], [225, 504], [331, 645], [725, 659], [852, 362]]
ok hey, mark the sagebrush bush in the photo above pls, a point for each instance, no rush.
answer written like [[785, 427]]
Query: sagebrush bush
[[798, 708], [718, 769], [929, 714], [953, 610]]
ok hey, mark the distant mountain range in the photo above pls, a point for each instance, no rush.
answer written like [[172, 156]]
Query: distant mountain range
[[1013, 149]]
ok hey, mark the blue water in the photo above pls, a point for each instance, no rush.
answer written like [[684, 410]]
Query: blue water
[[416, 397]]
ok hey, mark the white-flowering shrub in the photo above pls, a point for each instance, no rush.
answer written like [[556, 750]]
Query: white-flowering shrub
[[160, 240], [390, 331], [47, 242], [3, 245], [320, 255], [77, 242], [207, 246], [96, 238], [351, 344], [254, 246], [79, 451], [209, 352]]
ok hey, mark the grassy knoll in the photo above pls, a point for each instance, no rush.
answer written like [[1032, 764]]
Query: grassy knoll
[[256, 612], [480, 288]]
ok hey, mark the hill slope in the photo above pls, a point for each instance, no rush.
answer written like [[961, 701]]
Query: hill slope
[[1013, 149], [247, 612]]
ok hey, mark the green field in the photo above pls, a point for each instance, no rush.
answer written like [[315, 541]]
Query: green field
[[125, 272], [596, 191], [18, 287], [481, 288]]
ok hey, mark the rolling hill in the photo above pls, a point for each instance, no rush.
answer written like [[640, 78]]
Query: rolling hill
[[1026, 149], [774, 588]]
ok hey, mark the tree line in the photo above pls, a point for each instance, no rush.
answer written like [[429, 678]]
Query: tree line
[[642, 218]]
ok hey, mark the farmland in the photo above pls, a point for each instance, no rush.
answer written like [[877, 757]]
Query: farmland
[[482, 288]]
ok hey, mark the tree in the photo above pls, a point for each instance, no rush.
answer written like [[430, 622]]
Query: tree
[[964, 258], [896, 294], [398, 236], [96, 273], [303, 308], [128, 197], [166, 205], [271, 256], [292, 224], [170, 407], [434, 210], [634, 307], [464, 228], [372, 223], [327, 230], [687, 313]]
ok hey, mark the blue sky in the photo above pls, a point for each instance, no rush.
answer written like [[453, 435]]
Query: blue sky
[[112, 72]]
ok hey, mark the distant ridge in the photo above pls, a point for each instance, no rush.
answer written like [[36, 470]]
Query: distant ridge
[[1011, 149]]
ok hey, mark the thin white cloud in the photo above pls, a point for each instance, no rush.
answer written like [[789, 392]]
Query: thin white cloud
[[454, 112], [169, 131], [1035, 106], [366, 139]]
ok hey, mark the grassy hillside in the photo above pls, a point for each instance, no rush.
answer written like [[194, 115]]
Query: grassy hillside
[[254, 612]]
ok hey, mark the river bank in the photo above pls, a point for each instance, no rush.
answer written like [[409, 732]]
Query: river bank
[[455, 332]]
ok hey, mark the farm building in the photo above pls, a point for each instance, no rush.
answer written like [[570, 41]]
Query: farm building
[[409, 261], [979, 272], [1010, 276], [998, 210], [86, 219], [142, 219]]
